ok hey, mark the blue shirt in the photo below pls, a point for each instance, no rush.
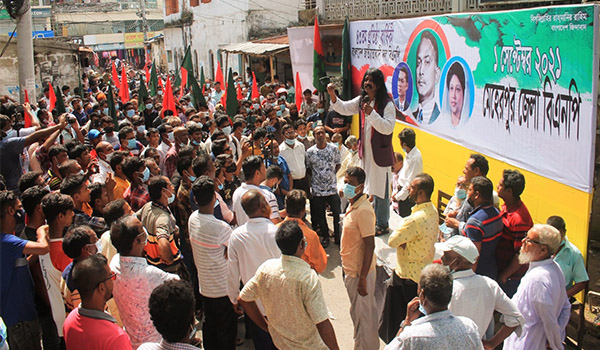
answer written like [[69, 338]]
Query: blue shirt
[[285, 181], [16, 285], [485, 226], [571, 263]]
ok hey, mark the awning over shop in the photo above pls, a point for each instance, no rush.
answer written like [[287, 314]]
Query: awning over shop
[[255, 48]]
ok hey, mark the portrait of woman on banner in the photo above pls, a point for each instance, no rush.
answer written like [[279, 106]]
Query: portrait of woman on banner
[[457, 94]]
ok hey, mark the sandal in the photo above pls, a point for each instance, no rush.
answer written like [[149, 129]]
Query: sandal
[[380, 231]]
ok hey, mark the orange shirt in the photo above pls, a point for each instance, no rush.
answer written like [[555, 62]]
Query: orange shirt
[[120, 187], [314, 254], [59, 259]]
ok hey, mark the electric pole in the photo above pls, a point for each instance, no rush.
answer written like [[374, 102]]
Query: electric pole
[[25, 54]]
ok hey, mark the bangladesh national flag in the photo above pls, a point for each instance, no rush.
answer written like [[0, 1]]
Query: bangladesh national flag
[[202, 80], [346, 66], [231, 103], [111, 105], [196, 93], [186, 68], [153, 81], [142, 94], [318, 60], [60, 103]]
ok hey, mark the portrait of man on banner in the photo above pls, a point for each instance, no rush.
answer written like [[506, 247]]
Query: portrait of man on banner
[[427, 75]]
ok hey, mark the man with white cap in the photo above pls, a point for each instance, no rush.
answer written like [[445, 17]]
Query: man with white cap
[[476, 296]]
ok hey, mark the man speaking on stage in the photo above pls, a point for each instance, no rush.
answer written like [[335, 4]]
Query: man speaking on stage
[[377, 119]]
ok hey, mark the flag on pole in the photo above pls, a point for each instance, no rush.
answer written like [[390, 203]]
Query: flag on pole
[[153, 83], [298, 92], [232, 105], [161, 86], [52, 98], [318, 60], [255, 93], [142, 94], [239, 93], [219, 76], [202, 80], [115, 75], [184, 81], [26, 96], [345, 66], [196, 93], [168, 101], [110, 99], [124, 91], [187, 65], [147, 73], [60, 103]]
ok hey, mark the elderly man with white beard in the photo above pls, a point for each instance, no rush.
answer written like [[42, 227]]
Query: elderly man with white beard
[[541, 297]]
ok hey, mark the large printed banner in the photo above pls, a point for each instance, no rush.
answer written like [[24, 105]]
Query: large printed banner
[[519, 86]]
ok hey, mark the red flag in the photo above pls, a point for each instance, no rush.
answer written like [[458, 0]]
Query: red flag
[[115, 76], [184, 75], [26, 96], [52, 98], [298, 92], [223, 100], [124, 91], [147, 73], [168, 101], [160, 84], [239, 93], [255, 93], [219, 76]]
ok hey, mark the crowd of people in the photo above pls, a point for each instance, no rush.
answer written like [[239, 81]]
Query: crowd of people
[[134, 226]]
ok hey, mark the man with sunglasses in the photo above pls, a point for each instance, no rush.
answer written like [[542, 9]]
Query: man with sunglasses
[[541, 296], [89, 326]]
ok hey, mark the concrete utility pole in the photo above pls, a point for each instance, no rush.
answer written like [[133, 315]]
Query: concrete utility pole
[[144, 21], [25, 55]]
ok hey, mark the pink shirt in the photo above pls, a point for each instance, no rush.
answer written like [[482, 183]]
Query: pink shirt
[[95, 331]]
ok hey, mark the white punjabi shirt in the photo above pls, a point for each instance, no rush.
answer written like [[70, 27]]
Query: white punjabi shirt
[[375, 183], [413, 166], [295, 158], [477, 297], [132, 288], [441, 331], [542, 300]]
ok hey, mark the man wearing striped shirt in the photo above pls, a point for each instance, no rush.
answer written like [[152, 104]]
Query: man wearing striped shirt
[[209, 238], [484, 225]]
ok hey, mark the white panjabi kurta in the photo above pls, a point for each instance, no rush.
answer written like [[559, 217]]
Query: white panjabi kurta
[[375, 175]]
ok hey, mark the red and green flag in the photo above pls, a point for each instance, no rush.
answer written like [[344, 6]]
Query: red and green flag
[[115, 75], [168, 101], [318, 60]]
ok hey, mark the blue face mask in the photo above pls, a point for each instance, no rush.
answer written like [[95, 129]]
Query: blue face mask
[[192, 178], [349, 191], [247, 110], [279, 113], [290, 142], [106, 111], [130, 113], [149, 106], [220, 187], [282, 106], [195, 143], [422, 309], [131, 144], [460, 193], [141, 129], [171, 198], [320, 110], [146, 175]]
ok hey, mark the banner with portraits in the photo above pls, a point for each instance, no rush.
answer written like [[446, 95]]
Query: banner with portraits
[[519, 86]]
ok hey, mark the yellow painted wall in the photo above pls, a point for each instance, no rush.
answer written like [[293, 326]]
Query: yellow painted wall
[[445, 161]]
